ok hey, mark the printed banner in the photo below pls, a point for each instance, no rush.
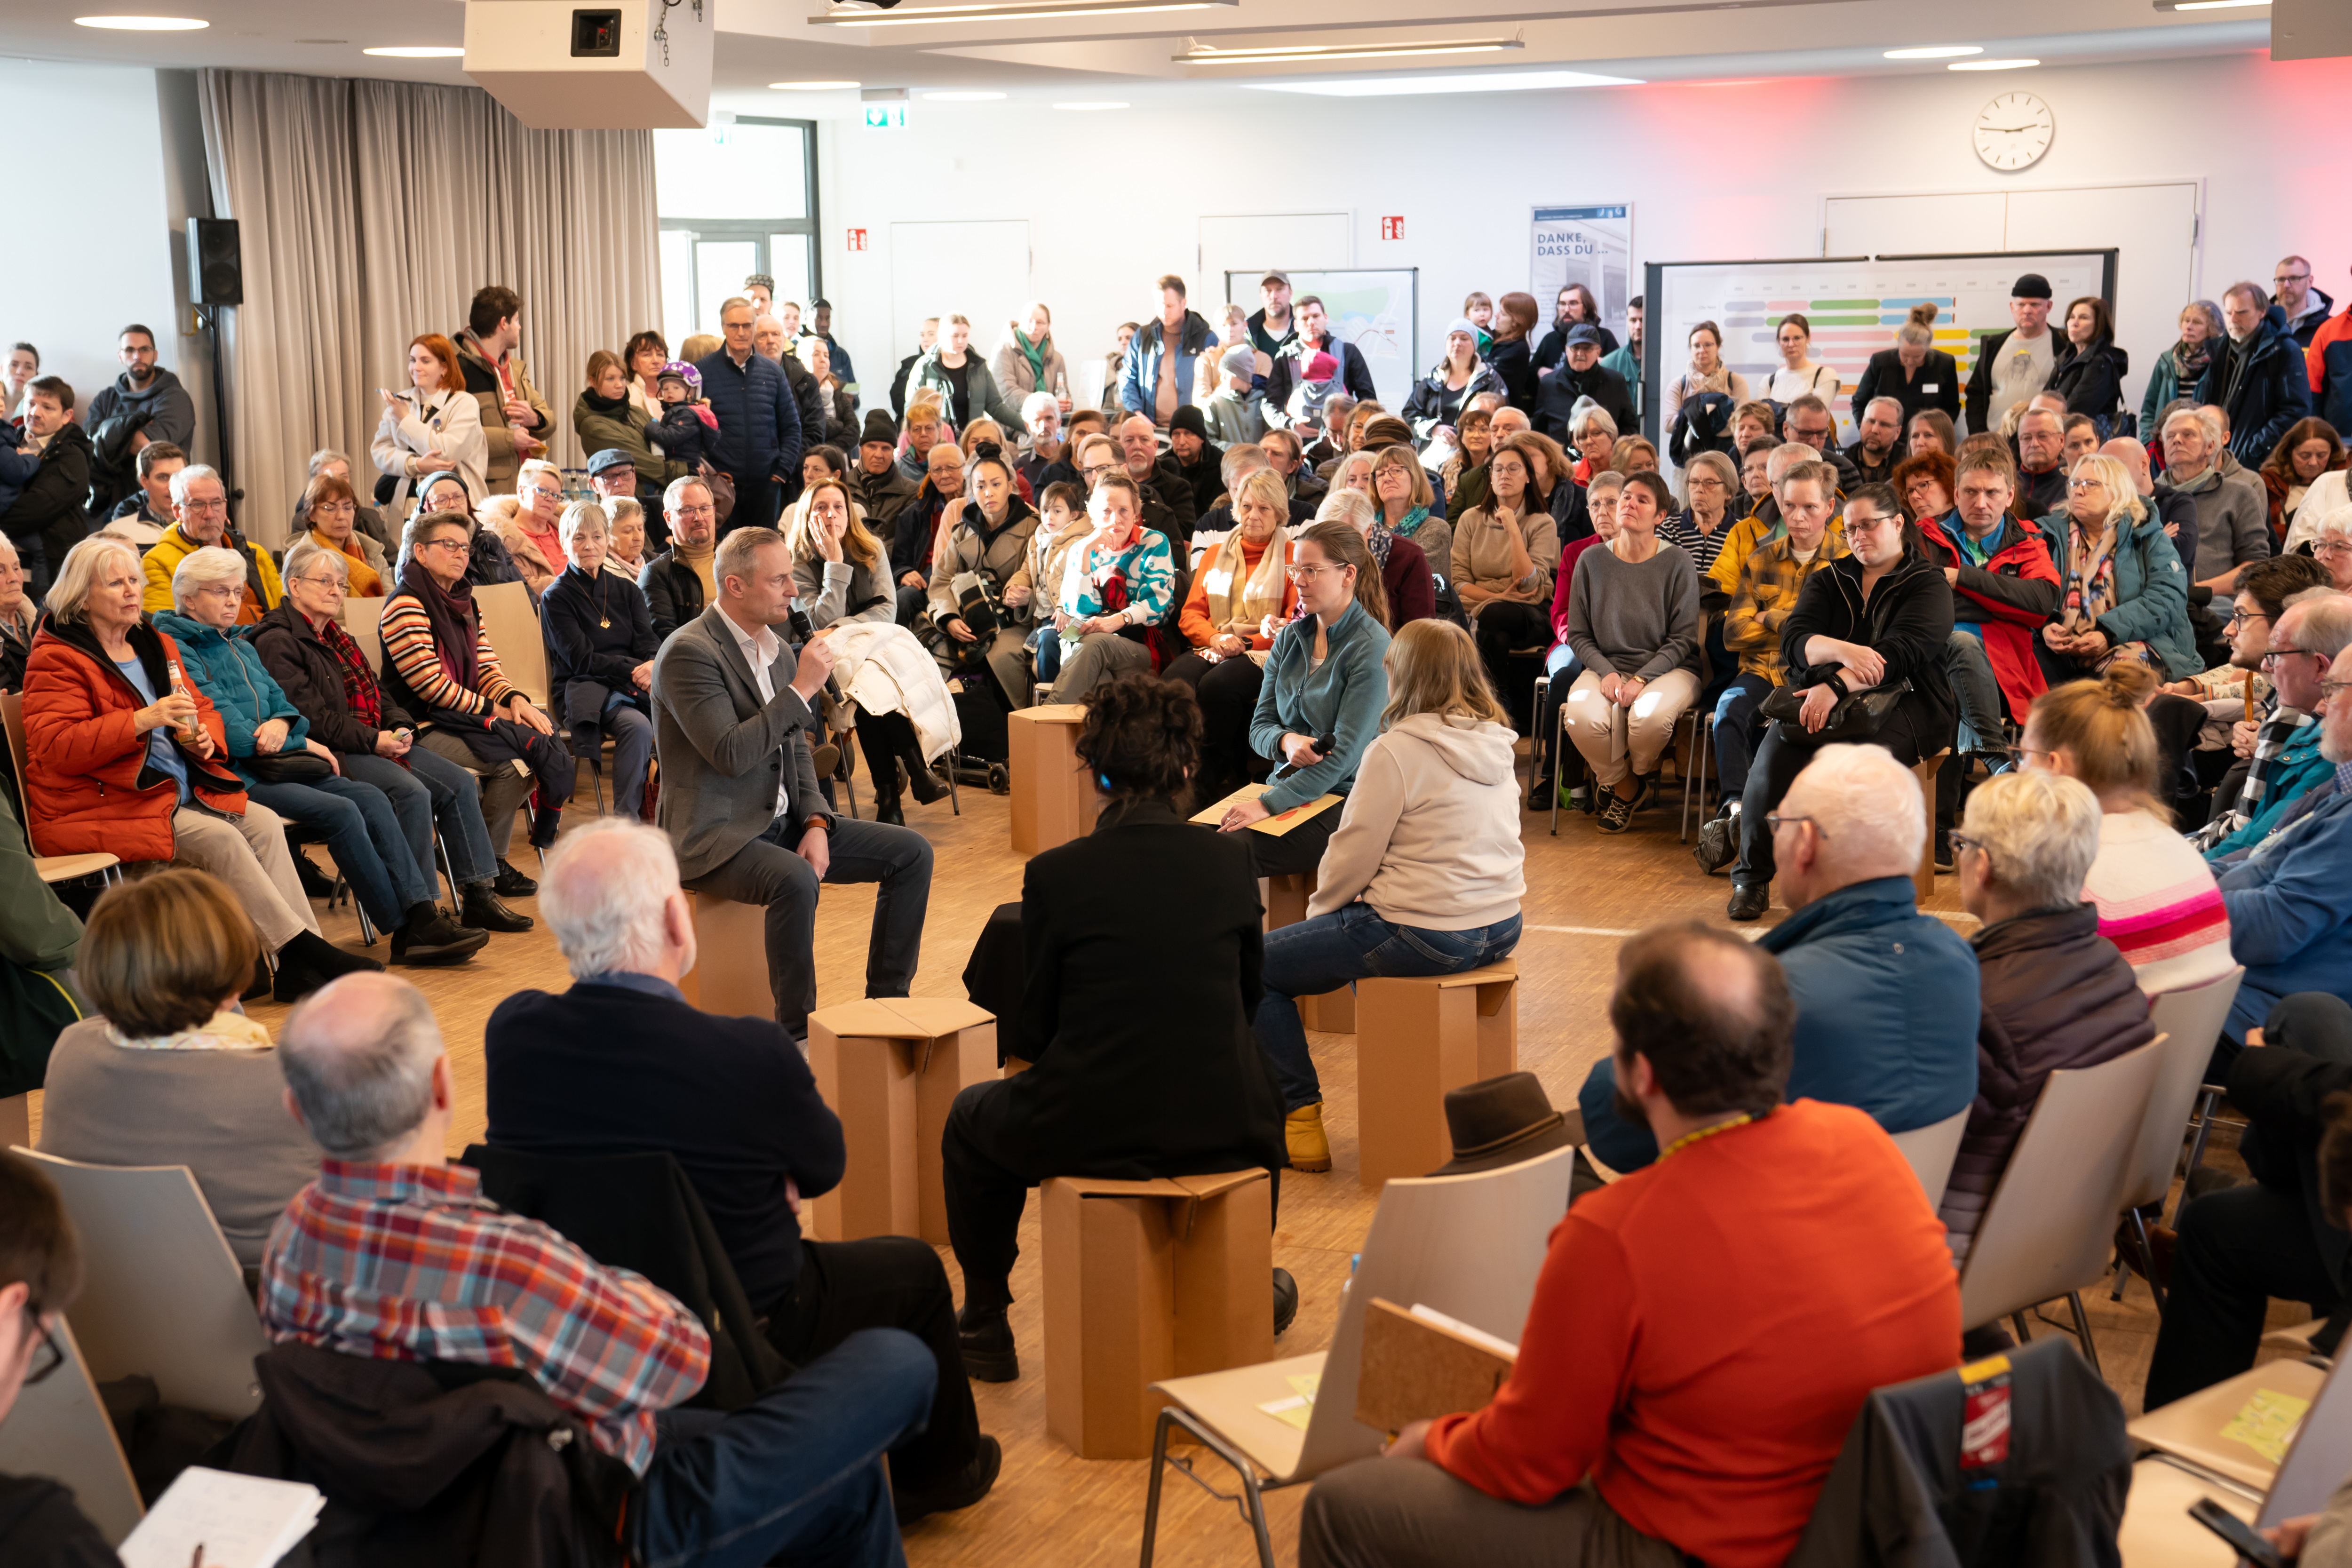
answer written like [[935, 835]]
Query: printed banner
[[1591, 246]]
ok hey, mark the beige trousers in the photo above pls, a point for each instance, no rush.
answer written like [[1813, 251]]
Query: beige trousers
[[1616, 741], [249, 853]]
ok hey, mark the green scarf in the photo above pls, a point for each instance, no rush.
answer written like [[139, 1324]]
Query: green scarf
[[1035, 354], [1410, 523]]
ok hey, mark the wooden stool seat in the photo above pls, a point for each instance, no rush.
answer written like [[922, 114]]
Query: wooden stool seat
[[1054, 799], [1416, 1038], [891, 1068], [54, 868], [730, 976], [1924, 879], [1146, 1281]]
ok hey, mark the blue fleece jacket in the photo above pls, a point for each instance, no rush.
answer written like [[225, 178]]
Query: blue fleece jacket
[[1342, 697], [2289, 924]]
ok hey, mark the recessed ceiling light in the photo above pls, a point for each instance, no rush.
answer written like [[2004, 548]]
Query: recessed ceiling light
[[1991, 64], [418, 52], [2205, 5], [1941, 51], [143, 24], [812, 86], [1000, 11], [1210, 54], [1087, 108], [1489, 81], [961, 97], [322, 40]]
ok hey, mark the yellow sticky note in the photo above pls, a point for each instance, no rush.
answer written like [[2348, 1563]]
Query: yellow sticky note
[[1295, 1411], [2268, 1423], [1304, 1387]]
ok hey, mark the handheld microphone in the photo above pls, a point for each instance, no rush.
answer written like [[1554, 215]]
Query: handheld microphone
[[804, 632]]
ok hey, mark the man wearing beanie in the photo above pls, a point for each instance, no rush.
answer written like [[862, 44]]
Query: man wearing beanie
[[1196, 457], [881, 486], [2011, 366]]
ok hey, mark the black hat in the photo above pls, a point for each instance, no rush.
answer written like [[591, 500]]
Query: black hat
[[610, 458], [879, 426], [1501, 1121], [1583, 332], [2032, 286], [1189, 418]]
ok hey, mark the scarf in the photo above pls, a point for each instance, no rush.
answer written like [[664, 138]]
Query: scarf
[[363, 581], [2189, 362], [1035, 354], [1694, 383], [1240, 591], [456, 635], [611, 407], [223, 1031], [1410, 523], [2206, 479], [2090, 575], [362, 695], [1380, 536]]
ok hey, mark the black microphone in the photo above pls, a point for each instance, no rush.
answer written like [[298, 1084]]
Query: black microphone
[[804, 632]]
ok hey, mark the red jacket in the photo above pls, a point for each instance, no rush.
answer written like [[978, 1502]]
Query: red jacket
[[2011, 595], [89, 787]]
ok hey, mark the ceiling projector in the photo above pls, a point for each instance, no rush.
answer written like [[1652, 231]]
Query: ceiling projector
[[628, 65]]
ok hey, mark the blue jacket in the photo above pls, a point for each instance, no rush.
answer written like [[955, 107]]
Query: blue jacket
[[1886, 1004], [2271, 393], [2288, 923], [2151, 591], [759, 422], [231, 673], [1342, 698], [1139, 372]]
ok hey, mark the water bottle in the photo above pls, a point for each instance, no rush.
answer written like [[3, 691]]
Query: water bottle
[[186, 730]]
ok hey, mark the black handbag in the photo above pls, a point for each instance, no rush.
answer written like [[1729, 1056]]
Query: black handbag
[[288, 768], [1857, 716]]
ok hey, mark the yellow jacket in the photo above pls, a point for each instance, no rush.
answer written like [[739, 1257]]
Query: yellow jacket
[[164, 558], [1748, 535]]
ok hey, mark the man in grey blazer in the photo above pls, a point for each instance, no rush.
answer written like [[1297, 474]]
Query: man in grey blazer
[[739, 794]]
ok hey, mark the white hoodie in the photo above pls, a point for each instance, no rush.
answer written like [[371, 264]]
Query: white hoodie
[[1430, 835]]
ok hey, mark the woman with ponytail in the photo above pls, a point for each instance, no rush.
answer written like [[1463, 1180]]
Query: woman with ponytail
[[1142, 948], [1915, 371], [2157, 896]]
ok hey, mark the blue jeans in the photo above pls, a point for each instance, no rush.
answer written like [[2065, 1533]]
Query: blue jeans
[[1354, 943], [1735, 722], [1977, 692], [797, 1474], [1046, 643], [1562, 665], [432, 790], [364, 836]]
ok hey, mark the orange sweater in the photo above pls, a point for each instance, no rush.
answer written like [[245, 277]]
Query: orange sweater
[[1198, 622], [1704, 1331]]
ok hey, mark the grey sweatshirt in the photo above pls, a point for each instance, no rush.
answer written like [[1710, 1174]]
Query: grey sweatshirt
[[1638, 619]]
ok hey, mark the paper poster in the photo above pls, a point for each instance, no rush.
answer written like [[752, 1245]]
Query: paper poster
[[1591, 246]]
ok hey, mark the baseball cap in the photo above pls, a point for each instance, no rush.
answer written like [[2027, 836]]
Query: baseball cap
[[1281, 278], [610, 458], [1583, 332]]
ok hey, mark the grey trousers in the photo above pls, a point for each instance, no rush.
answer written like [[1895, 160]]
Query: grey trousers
[[249, 853], [504, 791], [1409, 1514], [1100, 658]]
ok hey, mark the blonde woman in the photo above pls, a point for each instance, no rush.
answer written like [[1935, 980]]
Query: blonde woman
[[1242, 595], [1026, 362], [1423, 874], [2122, 592]]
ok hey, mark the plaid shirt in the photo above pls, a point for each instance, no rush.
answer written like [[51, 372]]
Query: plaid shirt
[[360, 693], [2261, 771], [412, 1263], [1768, 581]]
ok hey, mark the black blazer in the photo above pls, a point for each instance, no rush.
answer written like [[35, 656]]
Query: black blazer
[[1143, 949], [672, 592], [1884, 377]]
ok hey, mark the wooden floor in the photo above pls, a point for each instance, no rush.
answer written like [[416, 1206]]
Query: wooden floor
[[1585, 893]]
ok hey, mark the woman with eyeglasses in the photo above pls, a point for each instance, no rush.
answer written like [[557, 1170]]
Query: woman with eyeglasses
[[2180, 368], [1242, 595], [1409, 506], [1634, 625], [2331, 546], [331, 510], [2122, 592], [1797, 372], [600, 654], [2157, 896], [1116, 588], [1874, 621], [1925, 481]]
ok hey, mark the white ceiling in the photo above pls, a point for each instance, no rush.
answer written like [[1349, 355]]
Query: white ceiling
[[1129, 56]]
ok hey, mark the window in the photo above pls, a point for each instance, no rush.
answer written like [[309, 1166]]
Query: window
[[734, 201]]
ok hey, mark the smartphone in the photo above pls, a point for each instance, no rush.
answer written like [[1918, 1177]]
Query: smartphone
[[2236, 1531]]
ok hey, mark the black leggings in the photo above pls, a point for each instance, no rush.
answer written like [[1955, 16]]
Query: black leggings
[[1502, 628]]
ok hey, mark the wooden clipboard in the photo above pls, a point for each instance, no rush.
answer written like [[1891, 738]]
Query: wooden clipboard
[[1273, 826], [1414, 1370]]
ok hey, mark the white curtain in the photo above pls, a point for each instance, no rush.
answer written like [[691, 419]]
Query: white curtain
[[370, 212]]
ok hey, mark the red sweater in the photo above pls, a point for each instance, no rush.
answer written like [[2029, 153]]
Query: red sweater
[[1705, 1332]]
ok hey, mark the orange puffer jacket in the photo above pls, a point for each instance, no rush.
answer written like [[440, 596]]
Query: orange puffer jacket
[[89, 785]]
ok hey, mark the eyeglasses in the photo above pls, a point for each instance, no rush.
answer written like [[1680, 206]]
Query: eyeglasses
[[2269, 659], [1707, 484], [2331, 547], [1775, 821], [2292, 278], [2329, 688], [695, 512], [462, 547], [47, 1356], [2085, 484], [211, 503], [2240, 617], [2018, 754], [1309, 573], [326, 581]]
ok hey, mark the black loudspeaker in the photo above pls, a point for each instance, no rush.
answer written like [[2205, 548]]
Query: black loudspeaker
[[215, 275]]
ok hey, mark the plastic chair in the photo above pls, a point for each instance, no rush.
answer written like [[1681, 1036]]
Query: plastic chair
[[2189, 1021], [58, 1429], [1470, 1247], [1931, 1151], [511, 624], [2045, 1233], [364, 623], [142, 1226], [2191, 1435]]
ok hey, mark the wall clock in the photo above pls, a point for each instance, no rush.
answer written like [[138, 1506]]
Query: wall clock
[[2014, 131]]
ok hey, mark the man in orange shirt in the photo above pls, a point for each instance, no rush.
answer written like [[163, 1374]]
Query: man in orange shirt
[[1704, 1331]]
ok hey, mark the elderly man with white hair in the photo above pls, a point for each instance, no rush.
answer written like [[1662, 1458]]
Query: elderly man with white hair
[[393, 1243], [1887, 996], [271, 748], [202, 503], [621, 1063]]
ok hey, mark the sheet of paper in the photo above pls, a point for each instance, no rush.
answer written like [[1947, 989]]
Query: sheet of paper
[[2268, 1423], [234, 1522], [1272, 827]]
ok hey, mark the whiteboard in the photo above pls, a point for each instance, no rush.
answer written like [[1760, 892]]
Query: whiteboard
[[2152, 227], [1854, 304], [978, 269], [1256, 244], [1376, 309]]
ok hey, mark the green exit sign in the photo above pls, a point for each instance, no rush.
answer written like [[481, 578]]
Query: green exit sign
[[886, 117]]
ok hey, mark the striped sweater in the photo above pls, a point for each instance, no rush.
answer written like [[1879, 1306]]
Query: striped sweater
[[409, 648], [2158, 903]]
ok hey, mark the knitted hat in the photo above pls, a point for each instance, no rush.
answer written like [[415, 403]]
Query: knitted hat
[[1239, 360], [1189, 419], [1465, 326], [879, 426], [1321, 367]]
